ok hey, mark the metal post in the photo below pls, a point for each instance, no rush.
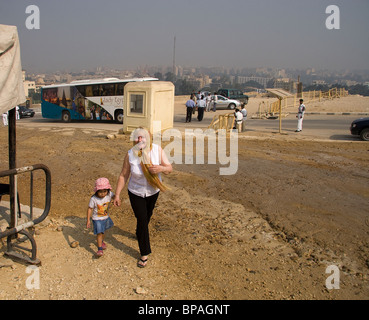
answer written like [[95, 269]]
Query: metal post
[[31, 197], [12, 164], [280, 115]]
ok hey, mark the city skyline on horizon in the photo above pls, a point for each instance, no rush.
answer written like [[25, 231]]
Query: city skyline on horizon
[[149, 70], [284, 34]]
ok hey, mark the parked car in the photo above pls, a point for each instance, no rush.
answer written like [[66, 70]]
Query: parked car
[[360, 127], [234, 94], [205, 93], [225, 103], [25, 112]]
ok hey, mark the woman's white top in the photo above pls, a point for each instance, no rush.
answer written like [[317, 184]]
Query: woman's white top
[[138, 184]]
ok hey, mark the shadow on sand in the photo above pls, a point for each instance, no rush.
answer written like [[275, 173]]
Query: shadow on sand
[[85, 237]]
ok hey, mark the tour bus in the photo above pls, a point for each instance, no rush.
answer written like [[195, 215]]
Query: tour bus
[[95, 99]]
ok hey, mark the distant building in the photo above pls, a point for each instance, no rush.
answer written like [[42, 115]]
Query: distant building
[[261, 80], [28, 85], [319, 82], [286, 84], [198, 81], [350, 83]]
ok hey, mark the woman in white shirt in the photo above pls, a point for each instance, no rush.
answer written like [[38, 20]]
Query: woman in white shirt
[[143, 165]]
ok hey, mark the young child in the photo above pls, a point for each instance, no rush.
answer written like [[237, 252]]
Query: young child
[[98, 208]]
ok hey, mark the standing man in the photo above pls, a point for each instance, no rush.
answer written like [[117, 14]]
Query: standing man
[[244, 113], [17, 115], [238, 118], [215, 100], [5, 118], [208, 102], [190, 105], [300, 115], [201, 105], [194, 98]]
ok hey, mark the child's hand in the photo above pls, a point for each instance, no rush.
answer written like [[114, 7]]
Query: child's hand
[[88, 225]]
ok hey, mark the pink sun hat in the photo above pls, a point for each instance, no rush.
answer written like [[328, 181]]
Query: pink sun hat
[[102, 184]]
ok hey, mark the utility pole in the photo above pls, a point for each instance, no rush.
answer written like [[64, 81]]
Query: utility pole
[[174, 57]]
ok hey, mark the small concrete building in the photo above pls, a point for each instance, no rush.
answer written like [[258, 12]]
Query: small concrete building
[[146, 102]]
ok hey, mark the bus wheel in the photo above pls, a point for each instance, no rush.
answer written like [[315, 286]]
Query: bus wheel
[[66, 116], [119, 116]]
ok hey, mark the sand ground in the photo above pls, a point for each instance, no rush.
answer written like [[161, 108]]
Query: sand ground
[[294, 208]]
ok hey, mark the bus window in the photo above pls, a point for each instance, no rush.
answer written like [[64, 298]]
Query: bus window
[[50, 95], [88, 92], [108, 90], [120, 90], [81, 90], [96, 90]]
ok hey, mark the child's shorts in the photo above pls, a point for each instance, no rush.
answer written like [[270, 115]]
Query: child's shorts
[[101, 225]]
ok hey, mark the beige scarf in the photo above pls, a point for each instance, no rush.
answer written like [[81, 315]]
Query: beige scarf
[[153, 179]]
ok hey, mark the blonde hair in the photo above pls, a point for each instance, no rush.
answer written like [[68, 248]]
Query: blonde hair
[[135, 135], [144, 155]]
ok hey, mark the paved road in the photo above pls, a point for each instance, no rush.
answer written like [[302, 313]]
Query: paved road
[[331, 127]]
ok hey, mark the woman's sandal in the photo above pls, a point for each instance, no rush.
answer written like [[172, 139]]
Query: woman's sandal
[[141, 263]]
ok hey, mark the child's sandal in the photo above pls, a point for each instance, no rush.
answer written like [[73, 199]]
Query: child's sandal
[[100, 253]]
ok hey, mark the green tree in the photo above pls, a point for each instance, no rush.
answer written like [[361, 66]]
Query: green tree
[[35, 95], [183, 87], [158, 75], [169, 76]]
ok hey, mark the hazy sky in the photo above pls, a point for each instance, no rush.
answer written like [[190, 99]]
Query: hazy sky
[[85, 34]]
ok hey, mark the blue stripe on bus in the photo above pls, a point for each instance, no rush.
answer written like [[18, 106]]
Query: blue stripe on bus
[[53, 111]]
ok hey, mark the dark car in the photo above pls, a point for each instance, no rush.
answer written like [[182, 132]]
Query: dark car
[[25, 112], [360, 127]]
